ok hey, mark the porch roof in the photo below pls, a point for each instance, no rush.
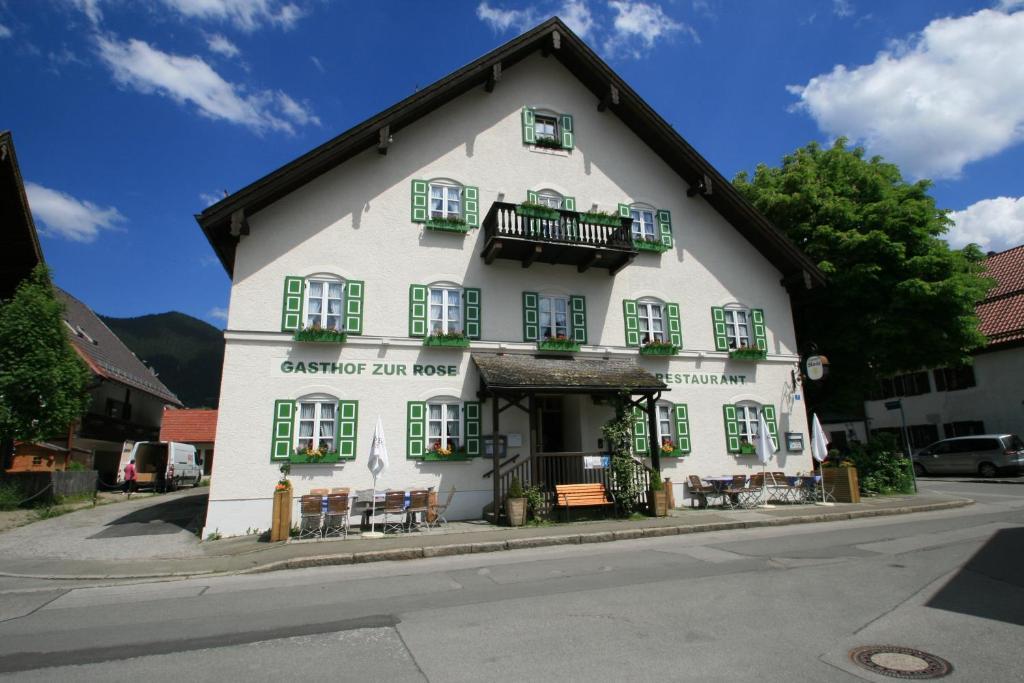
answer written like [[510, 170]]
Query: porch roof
[[563, 375]]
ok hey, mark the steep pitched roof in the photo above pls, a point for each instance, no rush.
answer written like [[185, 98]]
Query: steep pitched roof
[[17, 229], [189, 426], [105, 354], [1001, 314], [225, 220]]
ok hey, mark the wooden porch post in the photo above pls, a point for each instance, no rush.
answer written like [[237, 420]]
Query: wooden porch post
[[495, 455], [652, 430]]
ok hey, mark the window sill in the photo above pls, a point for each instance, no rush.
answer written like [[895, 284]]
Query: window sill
[[430, 456], [748, 354], [451, 342], [320, 337], [447, 226], [551, 151], [558, 345], [659, 350], [327, 459], [653, 247]]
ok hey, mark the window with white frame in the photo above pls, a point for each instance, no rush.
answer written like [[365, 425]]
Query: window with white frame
[[444, 424], [666, 424], [546, 126], [644, 227], [317, 421], [325, 303], [746, 416], [550, 198], [445, 200], [554, 316], [445, 309], [651, 316], [737, 327]]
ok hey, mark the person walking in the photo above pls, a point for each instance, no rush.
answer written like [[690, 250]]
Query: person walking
[[129, 478]]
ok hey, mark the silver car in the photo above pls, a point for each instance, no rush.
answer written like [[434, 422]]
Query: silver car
[[983, 454]]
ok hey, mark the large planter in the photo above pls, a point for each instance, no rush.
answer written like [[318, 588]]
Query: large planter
[[842, 481], [281, 522], [515, 511], [658, 503]]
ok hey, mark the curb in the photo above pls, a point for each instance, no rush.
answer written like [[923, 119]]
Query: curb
[[392, 554]]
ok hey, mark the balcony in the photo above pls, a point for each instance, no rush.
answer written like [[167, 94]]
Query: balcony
[[530, 235]]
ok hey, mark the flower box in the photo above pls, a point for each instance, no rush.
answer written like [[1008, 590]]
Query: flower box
[[659, 349], [320, 335], [538, 211], [450, 340], [548, 143], [655, 247], [301, 458], [612, 220], [447, 225], [434, 456], [747, 449], [747, 354], [673, 452], [550, 344]]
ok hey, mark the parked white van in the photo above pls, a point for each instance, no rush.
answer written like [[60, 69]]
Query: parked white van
[[164, 465]]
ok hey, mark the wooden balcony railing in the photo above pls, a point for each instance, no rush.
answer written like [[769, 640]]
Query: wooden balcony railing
[[557, 236]]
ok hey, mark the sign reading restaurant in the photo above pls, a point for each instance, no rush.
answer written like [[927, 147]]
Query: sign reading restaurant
[[699, 378]]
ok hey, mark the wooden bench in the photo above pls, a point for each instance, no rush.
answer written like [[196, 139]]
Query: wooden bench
[[570, 496]]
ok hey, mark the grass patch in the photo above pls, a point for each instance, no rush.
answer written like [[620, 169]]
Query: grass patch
[[205, 481], [51, 511], [11, 494]]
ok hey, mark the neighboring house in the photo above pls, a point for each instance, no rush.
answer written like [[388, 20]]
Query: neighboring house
[[45, 457], [21, 250], [983, 398], [192, 426], [127, 398], [522, 240]]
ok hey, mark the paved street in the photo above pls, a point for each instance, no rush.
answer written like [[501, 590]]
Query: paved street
[[783, 603]]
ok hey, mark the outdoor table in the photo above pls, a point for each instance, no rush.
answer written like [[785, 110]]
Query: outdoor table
[[720, 483]]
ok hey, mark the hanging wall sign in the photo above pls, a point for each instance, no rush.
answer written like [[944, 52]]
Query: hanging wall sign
[[816, 367]]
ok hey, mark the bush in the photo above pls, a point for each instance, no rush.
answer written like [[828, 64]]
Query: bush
[[75, 466], [11, 495], [515, 489], [534, 502], [656, 483], [881, 465]]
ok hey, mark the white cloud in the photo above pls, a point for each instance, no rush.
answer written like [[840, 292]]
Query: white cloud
[[994, 224], [318, 65], [218, 313], [934, 102], [222, 46], [638, 26], [576, 15], [4, 31], [91, 9], [502, 20], [65, 216], [211, 198], [138, 65], [1009, 5], [245, 15], [842, 8]]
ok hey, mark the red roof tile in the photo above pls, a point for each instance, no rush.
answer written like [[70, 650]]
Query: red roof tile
[[189, 426], [1001, 314]]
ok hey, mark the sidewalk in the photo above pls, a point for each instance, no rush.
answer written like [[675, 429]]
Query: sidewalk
[[247, 555]]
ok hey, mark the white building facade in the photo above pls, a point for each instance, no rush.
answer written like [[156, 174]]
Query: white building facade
[[405, 247]]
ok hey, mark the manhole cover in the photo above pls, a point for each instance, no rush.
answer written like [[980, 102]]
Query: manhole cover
[[900, 662]]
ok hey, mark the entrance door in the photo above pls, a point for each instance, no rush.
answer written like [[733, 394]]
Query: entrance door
[[551, 435]]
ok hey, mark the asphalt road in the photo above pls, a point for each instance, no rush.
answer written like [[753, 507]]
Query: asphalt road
[[784, 603]]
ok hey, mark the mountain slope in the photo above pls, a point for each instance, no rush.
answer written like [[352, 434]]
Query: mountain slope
[[186, 353]]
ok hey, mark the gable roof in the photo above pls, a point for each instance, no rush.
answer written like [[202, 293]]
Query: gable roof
[[105, 353], [17, 229], [225, 220], [189, 425], [1001, 313]]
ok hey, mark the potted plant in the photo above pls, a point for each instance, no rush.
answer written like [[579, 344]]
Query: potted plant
[[657, 497], [669, 448], [747, 448], [535, 507], [281, 516], [515, 503]]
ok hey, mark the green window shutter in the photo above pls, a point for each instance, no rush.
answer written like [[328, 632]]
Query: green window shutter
[[532, 197], [769, 418], [531, 317], [471, 205], [632, 320], [291, 310], [471, 312], [625, 211], [641, 445], [354, 307], [420, 188], [568, 136], [578, 318], [529, 132], [348, 423], [718, 321], [415, 429], [665, 226], [760, 338], [417, 310], [675, 327], [284, 424], [471, 427], [682, 427], [569, 203], [732, 429]]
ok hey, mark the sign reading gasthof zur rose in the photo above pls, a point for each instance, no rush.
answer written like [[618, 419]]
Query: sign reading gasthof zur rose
[[317, 367]]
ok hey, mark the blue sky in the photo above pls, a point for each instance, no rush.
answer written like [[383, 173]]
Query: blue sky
[[129, 116]]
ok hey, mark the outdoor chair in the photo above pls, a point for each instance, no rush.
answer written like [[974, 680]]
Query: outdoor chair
[[700, 491], [739, 495], [394, 507], [364, 504], [318, 492], [419, 502], [343, 489], [799, 492], [336, 519], [779, 486], [435, 515], [309, 516]]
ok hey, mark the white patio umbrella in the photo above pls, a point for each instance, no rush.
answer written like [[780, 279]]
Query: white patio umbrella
[[765, 448], [819, 450], [377, 463]]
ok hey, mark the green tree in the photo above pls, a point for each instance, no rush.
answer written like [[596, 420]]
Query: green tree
[[42, 379], [898, 297]]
